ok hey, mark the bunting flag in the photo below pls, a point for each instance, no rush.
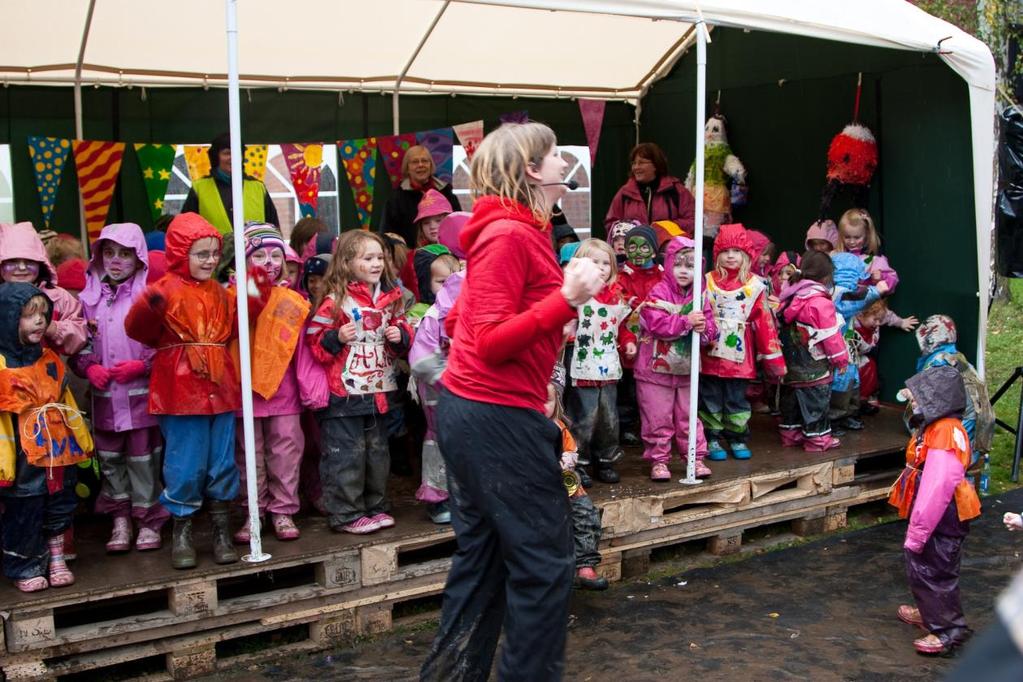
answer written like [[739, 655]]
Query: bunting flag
[[198, 161], [98, 164], [392, 151], [440, 142], [156, 162], [469, 136], [304, 161], [254, 163], [515, 116], [360, 161], [592, 111], [48, 156]]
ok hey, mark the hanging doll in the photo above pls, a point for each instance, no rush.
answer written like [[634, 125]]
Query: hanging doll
[[852, 160], [720, 167]]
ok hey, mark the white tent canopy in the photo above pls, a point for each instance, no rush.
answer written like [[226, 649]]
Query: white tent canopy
[[613, 49]]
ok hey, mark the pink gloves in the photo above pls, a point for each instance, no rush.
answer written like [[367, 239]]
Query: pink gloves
[[98, 376], [123, 372]]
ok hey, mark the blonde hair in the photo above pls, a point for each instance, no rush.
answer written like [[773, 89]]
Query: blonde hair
[[859, 217], [590, 247], [339, 274], [408, 155], [744, 269], [449, 261], [500, 163], [36, 304]]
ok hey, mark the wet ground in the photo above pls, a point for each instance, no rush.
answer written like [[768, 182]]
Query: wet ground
[[823, 610]]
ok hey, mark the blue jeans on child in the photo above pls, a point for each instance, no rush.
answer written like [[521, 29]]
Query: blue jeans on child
[[198, 461]]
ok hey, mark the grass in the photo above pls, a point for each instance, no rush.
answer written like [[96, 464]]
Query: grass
[[1004, 344]]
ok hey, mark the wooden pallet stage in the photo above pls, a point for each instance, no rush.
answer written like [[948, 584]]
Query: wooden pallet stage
[[332, 587]]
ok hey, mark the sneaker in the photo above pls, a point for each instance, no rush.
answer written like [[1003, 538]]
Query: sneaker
[[910, 615], [285, 528], [361, 526], [660, 472], [741, 451], [383, 520], [587, 579], [715, 452], [439, 512], [702, 470], [148, 539], [821, 444]]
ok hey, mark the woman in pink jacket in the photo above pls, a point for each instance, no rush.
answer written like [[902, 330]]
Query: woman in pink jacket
[[128, 441], [650, 194], [23, 259]]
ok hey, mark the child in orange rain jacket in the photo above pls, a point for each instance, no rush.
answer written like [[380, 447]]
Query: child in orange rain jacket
[[41, 435]]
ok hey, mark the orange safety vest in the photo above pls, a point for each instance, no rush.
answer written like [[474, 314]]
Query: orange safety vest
[[276, 336], [51, 430], [944, 434]]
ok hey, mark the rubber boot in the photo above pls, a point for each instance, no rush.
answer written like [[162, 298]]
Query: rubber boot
[[182, 551], [791, 437], [223, 546]]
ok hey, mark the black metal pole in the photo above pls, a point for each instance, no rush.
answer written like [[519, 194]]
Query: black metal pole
[[1019, 440]]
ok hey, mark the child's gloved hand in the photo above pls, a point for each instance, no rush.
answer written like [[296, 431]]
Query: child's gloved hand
[[1012, 521], [908, 324], [569, 459], [98, 376], [126, 371], [258, 290]]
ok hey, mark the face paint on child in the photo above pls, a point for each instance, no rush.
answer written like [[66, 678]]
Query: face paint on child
[[20, 270], [270, 258], [119, 262], [368, 266], [32, 325], [684, 267], [603, 263], [203, 258], [638, 251]]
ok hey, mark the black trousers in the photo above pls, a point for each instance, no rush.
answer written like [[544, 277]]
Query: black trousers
[[354, 465], [515, 560], [806, 408], [29, 523]]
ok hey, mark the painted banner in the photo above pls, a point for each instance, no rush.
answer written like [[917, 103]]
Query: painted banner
[[360, 161], [98, 164], [592, 111], [304, 161], [515, 116], [392, 151], [254, 164], [198, 161], [48, 156], [156, 162], [469, 136], [440, 142]]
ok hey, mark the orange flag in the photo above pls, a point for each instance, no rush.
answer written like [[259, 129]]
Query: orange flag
[[98, 164]]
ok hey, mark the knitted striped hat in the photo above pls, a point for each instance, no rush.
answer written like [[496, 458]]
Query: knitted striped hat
[[262, 235]]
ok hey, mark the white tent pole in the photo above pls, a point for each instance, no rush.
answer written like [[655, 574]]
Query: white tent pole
[[701, 113], [408, 65], [79, 125], [238, 220]]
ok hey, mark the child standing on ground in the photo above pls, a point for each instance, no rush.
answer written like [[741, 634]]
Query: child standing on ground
[[601, 337], [128, 441], [276, 402], [663, 366], [813, 345], [23, 259], [934, 494], [746, 336], [37, 412], [358, 333], [189, 318]]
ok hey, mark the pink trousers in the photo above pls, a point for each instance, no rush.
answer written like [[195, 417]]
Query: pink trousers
[[664, 411], [279, 446]]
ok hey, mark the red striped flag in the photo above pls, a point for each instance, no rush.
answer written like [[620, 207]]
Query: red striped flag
[[98, 164]]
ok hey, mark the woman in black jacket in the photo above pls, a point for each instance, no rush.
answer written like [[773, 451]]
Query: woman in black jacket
[[417, 172]]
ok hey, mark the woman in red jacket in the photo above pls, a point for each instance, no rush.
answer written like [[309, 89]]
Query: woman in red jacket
[[650, 194], [511, 517]]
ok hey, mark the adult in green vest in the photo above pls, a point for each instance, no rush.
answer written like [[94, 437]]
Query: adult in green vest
[[211, 198]]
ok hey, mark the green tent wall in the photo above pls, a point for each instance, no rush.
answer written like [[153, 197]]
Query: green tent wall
[[785, 97]]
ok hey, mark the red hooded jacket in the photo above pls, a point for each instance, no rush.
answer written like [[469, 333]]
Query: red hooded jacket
[[190, 323], [508, 320]]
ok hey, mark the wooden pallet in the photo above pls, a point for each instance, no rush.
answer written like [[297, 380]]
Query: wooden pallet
[[331, 585]]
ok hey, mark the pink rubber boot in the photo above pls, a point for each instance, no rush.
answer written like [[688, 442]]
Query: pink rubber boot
[[821, 443], [791, 438]]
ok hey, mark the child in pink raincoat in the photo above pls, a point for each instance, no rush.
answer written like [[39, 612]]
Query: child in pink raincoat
[[666, 322]]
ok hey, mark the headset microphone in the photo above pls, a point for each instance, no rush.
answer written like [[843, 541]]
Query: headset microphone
[[571, 184]]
